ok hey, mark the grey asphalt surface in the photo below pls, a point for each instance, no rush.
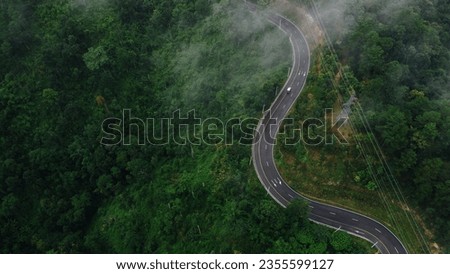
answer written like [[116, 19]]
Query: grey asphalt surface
[[263, 153]]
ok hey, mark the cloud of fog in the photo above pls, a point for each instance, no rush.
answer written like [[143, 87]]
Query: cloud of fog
[[339, 16], [247, 52], [243, 25]]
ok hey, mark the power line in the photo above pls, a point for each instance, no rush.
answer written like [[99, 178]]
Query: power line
[[376, 148]]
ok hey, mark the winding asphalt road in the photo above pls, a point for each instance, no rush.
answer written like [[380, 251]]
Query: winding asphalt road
[[263, 152]]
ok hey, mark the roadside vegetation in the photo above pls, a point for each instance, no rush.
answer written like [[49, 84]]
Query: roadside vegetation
[[396, 61], [69, 65]]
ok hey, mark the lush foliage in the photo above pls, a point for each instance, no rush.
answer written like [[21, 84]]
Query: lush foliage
[[400, 57], [68, 65]]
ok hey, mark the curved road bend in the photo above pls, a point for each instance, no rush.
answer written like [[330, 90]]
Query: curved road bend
[[263, 153]]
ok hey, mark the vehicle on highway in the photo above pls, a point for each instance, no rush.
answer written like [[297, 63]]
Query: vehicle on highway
[[263, 155]]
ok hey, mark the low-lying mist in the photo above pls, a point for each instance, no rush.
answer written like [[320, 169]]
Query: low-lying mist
[[233, 53]]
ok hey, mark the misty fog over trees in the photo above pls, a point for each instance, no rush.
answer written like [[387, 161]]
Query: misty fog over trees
[[67, 65]]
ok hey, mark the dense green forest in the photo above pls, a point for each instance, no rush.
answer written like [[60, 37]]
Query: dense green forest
[[395, 56], [67, 65], [402, 60]]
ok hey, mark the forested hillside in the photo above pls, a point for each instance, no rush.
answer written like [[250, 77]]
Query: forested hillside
[[68, 65], [399, 52]]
